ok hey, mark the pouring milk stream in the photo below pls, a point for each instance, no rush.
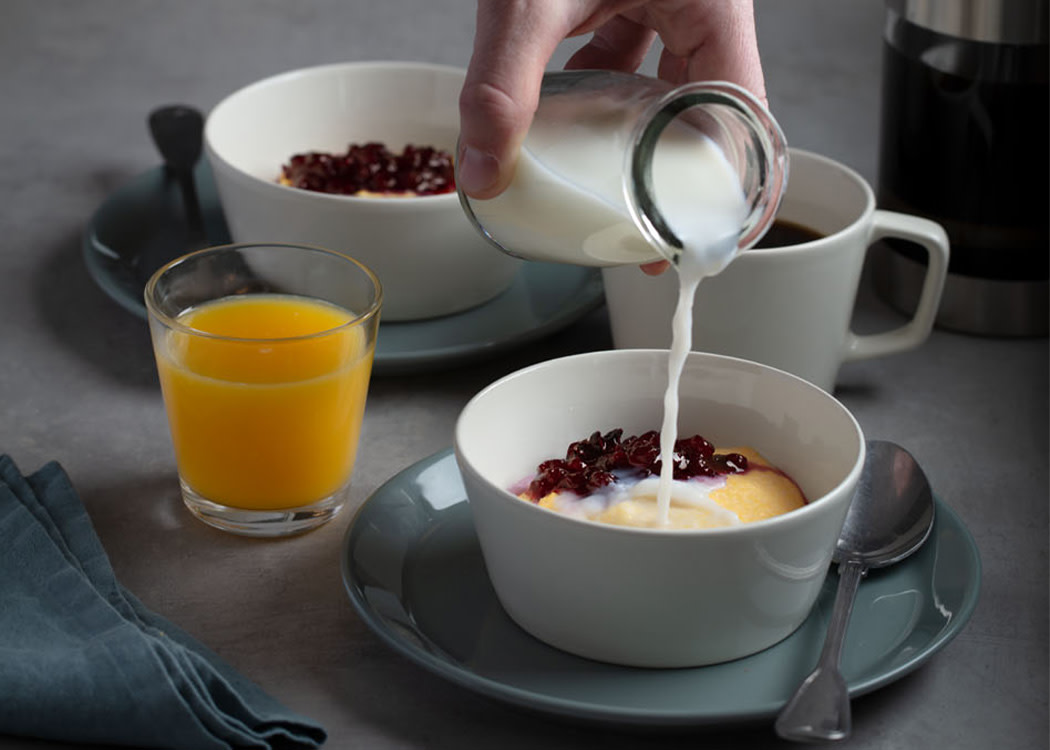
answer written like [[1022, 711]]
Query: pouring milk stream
[[608, 174], [705, 207]]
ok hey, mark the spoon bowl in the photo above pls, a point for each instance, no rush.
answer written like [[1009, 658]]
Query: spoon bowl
[[890, 517], [892, 513]]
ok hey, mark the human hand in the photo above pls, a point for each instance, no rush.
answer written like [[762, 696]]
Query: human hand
[[514, 41]]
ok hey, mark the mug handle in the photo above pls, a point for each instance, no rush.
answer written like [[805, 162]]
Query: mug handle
[[934, 239]]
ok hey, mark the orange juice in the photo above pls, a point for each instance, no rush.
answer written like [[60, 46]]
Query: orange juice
[[265, 398]]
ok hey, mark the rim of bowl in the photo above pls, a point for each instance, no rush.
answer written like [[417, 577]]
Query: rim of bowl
[[355, 65], [799, 515]]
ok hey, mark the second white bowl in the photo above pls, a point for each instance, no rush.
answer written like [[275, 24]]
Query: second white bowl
[[426, 254]]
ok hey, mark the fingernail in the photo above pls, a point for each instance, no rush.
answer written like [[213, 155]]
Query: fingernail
[[477, 172]]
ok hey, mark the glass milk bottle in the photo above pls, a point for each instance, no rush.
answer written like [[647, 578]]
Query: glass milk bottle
[[616, 167]]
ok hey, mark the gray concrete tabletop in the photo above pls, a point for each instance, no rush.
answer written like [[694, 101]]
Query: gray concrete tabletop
[[78, 385]]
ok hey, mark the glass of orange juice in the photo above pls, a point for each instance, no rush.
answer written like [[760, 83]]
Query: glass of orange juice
[[264, 353]]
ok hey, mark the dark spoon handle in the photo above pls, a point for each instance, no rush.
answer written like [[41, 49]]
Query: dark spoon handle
[[178, 132]]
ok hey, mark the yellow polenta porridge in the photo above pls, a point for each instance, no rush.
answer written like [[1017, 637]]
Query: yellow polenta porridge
[[616, 480]]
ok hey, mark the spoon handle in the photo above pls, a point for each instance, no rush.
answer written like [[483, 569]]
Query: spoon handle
[[192, 207], [820, 709], [178, 133]]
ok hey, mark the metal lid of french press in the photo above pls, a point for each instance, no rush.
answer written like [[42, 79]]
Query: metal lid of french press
[[995, 21]]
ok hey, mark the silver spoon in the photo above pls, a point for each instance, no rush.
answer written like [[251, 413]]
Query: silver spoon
[[890, 517]]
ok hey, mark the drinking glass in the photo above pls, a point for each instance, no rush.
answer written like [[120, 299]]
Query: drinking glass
[[264, 353]]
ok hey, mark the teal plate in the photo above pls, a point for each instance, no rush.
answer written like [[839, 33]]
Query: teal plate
[[543, 298], [414, 572]]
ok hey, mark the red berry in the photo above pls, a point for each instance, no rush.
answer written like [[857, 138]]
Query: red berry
[[423, 170], [593, 463]]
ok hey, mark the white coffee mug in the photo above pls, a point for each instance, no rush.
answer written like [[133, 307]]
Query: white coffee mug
[[790, 307]]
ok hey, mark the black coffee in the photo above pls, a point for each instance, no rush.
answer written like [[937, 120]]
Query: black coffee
[[785, 233]]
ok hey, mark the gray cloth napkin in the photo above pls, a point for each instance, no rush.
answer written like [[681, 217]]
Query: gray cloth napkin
[[82, 660]]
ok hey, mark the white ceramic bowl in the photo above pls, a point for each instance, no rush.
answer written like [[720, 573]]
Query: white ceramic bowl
[[426, 254], [654, 597]]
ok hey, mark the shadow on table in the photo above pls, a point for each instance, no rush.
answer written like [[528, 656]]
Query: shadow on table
[[430, 702], [88, 323]]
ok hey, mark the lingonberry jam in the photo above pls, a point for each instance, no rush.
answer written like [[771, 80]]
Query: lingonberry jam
[[600, 460], [372, 168]]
